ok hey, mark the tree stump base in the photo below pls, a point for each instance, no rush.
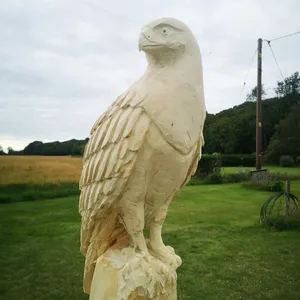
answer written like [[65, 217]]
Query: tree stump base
[[127, 275]]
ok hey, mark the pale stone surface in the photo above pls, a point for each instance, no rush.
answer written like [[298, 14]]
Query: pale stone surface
[[142, 151], [137, 276]]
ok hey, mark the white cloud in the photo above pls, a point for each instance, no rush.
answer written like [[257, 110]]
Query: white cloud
[[63, 62]]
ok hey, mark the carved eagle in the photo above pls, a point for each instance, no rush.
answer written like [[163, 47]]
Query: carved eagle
[[144, 149]]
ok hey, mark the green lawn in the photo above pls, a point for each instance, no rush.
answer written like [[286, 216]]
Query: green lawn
[[214, 228], [292, 170]]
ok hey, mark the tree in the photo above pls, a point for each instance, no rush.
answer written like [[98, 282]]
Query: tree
[[10, 150], [1, 151], [251, 96], [290, 86], [286, 140]]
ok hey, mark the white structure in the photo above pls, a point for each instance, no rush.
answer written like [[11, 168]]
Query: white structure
[[142, 151]]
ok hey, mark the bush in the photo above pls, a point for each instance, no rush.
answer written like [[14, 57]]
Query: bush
[[297, 161], [195, 181], [286, 161], [205, 166], [230, 160], [236, 160], [214, 179], [282, 176], [236, 177], [270, 186]]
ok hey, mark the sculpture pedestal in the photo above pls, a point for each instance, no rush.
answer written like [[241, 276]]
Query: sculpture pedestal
[[127, 275]]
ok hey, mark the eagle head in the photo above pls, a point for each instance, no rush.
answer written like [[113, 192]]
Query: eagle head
[[167, 37]]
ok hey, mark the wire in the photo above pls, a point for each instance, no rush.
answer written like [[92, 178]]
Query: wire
[[97, 6], [269, 43], [285, 36], [247, 74], [250, 66]]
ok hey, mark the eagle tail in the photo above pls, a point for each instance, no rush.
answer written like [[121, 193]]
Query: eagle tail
[[111, 236]]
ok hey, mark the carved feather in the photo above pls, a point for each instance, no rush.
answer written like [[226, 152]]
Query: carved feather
[[109, 160]]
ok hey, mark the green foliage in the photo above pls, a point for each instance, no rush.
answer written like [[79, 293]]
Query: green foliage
[[286, 161], [286, 140], [72, 147], [236, 160], [233, 130], [32, 192], [218, 178], [298, 160], [195, 181], [227, 160], [205, 166], [269, 186], [236, 177], [284, 176], [215, 178], [289, 87], [251, 96], [1, 151]]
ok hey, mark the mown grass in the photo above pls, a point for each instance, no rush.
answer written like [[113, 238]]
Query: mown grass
[[215, 229], [273, 169], [34, 192]]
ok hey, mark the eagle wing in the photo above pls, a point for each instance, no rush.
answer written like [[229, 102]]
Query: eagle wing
[[109, 160]]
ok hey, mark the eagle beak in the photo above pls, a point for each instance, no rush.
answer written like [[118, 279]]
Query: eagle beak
[[146, 43], [145, 40]]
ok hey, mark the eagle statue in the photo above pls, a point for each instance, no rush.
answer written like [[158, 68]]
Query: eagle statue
[[144, 148]]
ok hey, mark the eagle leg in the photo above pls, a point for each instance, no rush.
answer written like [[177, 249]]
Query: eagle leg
[[156, 244], [132, 218]]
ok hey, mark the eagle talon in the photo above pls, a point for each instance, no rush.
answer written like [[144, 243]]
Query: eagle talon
[[164, 254]]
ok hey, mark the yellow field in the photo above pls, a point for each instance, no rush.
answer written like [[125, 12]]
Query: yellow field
[[39, 169]]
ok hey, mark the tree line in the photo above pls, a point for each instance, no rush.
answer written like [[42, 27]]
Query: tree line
[[231, 131]]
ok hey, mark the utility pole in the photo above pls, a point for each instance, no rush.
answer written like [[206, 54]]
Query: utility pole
[[258, 105]]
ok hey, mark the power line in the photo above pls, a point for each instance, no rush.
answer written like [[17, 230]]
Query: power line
[[97, 6], [269, 43], [247, 74], [250, 66], [284, 36]]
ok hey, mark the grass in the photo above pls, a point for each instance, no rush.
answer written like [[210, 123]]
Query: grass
[[34, 192], [31, 178], [273, 169], [215, 229]]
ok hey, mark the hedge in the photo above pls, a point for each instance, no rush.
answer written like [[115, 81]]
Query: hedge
[[207, 163]]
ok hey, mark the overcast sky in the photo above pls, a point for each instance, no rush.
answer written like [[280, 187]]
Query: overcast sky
[[63, 62]]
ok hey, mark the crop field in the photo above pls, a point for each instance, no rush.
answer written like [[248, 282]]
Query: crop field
[[39, 169]]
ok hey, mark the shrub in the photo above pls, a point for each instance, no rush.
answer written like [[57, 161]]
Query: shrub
[[286, 161], [269, 186], [297, 161], [236, 160], [215, 178], [195, 181], [205, 165], [282, 176], [230, 160], [236, 177]]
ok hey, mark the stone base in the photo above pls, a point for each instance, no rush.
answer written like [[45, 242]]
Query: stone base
[[259, 176], [127, 275]]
